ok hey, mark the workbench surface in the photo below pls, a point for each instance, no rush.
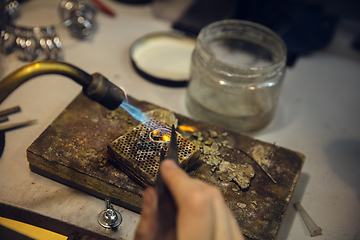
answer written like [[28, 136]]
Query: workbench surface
[[318, 115]]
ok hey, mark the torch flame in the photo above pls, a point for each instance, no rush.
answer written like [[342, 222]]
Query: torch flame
[[166, 138], [135, 112], [161, 135], [188, 128]]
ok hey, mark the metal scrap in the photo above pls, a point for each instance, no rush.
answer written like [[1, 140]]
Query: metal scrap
[[214, 147], [240, 174], [209, 141], [213, 134], [241, 205], [206, 150]]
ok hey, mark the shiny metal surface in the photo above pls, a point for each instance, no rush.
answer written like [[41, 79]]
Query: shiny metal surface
[[110, 218], [34, 42]]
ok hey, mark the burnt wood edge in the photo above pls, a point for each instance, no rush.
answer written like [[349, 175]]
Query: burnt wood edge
[[33, 218], [118, 196]]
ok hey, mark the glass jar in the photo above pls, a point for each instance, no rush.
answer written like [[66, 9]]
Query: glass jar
[[237, 70]]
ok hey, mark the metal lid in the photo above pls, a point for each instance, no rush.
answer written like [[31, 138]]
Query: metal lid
[[163, 58]]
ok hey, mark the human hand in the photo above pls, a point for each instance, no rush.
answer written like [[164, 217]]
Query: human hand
[[202, 212]]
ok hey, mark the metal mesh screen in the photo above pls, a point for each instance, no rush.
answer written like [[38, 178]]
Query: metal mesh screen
[[138, 154]]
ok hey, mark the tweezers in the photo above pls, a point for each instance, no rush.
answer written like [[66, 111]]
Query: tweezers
[[167, 209]]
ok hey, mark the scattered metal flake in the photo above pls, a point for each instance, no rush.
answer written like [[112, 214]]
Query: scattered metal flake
[[214, 147], [209, 141], [213, 134], [225, 143], [241, 205], [197, 134], [207, 150], [240, 174], [214, 160]]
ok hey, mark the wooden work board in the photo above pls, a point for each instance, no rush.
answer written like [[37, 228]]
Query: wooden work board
[[73, 150]]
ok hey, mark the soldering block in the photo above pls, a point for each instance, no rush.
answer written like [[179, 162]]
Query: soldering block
[[137, 153], [73, 150]]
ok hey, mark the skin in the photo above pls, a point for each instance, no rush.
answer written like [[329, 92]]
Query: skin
[[202, 212]]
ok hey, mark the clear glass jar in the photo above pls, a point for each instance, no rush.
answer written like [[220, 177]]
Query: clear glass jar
[[237, 70]]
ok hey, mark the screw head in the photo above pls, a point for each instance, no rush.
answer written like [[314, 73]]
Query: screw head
[[109, 218]]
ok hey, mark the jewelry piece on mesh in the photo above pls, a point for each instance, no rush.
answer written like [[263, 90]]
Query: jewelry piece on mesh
[[43, 42]]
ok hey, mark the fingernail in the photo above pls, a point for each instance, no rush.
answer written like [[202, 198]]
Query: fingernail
[[169, 164]]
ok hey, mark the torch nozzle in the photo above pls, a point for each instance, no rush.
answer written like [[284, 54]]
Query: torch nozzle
[[104, 92]]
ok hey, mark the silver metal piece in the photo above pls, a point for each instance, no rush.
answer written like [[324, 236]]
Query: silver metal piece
[[43, 42], [78, 16], [12, 126], [109, 218], [7, 41], [158, 135], [314, 229]]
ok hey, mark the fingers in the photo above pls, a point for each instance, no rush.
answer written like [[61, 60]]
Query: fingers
[[202, 212], [195, 212], [147, 227], [176, 179]]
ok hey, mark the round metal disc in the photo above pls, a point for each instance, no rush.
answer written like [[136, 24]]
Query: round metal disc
[[102, 220], [163, 58]]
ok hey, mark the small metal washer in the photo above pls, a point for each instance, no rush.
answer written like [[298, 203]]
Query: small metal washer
[[103, 219]]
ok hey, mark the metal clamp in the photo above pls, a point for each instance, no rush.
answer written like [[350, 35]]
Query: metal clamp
[[109, 218]]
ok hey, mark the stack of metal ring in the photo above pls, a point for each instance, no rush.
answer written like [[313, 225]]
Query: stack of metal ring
[[43, 42]]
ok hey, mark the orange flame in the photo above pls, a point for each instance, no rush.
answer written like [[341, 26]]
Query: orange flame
[[188, 128], [166, 138], [158, 134]]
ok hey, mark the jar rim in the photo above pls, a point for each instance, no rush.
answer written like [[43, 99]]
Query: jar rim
[[240, 70]]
